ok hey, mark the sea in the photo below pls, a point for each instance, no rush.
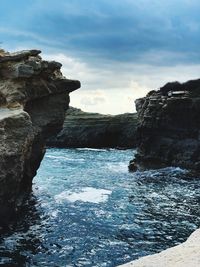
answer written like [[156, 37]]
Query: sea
[[87, 209]]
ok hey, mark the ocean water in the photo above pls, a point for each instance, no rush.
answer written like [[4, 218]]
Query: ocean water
[[86, 209]]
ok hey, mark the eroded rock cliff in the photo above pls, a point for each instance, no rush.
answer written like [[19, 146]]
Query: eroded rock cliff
[[84, 129], [169, 127], [34, 96]]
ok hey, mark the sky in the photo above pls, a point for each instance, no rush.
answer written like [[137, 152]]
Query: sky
[[118, 49]]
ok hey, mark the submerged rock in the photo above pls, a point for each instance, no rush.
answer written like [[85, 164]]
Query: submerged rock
[[84, 129], [34, 96], [169, 127]]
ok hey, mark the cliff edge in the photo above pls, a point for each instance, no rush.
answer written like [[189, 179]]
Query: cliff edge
[[94, 130], [169, 127], [34, 96]]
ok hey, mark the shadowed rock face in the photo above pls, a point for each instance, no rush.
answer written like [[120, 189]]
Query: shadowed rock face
[[84, 129], [34, 96], [169, 127]]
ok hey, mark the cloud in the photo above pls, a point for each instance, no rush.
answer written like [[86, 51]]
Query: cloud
[[102, 30], [119, 49], [93, 99], [124, 83], [113, 88]]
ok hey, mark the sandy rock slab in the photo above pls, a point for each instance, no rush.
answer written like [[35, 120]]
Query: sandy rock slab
[[186, 254]]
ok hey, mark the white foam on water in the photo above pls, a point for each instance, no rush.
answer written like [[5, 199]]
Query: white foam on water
[[86, 194], [54, 213], [63, 158], [92, 149], [117, 166]]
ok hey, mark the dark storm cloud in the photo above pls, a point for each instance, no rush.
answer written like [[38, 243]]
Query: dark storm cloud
[[144, 31]]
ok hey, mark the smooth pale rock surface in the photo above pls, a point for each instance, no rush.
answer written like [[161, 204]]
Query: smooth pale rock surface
[[94, 130], [186, 254], [34, 96]]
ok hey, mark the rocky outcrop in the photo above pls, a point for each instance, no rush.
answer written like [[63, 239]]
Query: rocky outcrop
[[34, 96], [169, 127], [84, 129], [183, 255]]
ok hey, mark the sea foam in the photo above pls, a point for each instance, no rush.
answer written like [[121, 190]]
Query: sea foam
[[86, 194]]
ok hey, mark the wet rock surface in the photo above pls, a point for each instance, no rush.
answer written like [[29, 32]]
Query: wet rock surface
[[34, 96], [84, 129], [169, 127]]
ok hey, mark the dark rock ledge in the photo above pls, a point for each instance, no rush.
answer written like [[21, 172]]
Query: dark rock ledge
[[34, 96], [169, 127], [94, 130]]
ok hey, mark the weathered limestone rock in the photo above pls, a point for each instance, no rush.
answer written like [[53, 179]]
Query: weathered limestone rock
[[84, 129], [169, 127], [186, 254], [34, 96]]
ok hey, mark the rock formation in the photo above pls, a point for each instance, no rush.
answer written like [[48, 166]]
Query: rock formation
[[186, 254], [84, 129], [169, 127], [33, 99]]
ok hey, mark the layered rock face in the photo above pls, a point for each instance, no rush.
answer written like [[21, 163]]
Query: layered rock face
[[84, 129], [34, 96], [169, 127]]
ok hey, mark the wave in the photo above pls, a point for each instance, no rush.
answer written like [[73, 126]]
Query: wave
[[117, 166], [63, 158], [93, 149]]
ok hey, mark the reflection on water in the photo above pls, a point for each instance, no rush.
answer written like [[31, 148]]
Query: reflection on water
[[88, 210]]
